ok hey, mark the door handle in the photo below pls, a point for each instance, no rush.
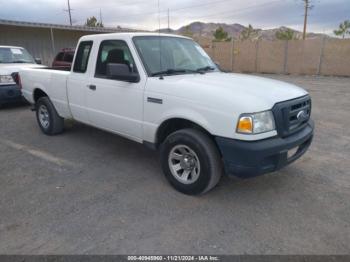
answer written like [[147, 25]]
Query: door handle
[[92, 87]]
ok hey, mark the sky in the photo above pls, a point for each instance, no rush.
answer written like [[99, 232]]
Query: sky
[[325, 16]]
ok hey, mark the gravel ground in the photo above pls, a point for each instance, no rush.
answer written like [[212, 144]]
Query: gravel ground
[[91, 192]]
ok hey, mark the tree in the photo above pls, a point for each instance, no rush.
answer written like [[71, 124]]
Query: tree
[[221, 35], [344, 28], [92, 22], [248, 33], [285, 34]]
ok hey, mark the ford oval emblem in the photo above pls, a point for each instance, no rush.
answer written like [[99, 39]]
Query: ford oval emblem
[[302, 116]]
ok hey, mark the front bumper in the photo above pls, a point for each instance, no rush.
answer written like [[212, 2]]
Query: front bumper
[[246, 159], [10, 93]]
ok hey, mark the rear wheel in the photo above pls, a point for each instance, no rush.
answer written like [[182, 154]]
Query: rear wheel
[[191, 161], [48, 119]]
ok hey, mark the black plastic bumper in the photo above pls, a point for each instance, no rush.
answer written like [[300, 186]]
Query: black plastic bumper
[[10, 93], [249, 159]]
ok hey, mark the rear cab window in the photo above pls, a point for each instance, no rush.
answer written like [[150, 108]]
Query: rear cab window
[[82, 57]]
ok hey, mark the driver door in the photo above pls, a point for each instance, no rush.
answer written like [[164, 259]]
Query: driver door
[[116, 105]]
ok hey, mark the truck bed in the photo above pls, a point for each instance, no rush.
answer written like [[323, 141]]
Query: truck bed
[[53, 82]]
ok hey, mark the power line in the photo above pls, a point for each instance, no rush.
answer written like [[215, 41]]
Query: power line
[[166, 10], [193, 6], [221, 14], [119, 5], [240, 10], [229, 13], [199, 5]]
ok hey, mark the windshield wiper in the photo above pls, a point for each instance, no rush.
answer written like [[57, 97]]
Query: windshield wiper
[[206, 69], [174, 72]]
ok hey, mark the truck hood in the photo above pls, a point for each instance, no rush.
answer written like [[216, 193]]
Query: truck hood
[[8, 69], [217, 89]]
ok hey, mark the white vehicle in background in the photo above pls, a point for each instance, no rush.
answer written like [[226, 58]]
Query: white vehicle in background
[[12, 59], [165, 92]]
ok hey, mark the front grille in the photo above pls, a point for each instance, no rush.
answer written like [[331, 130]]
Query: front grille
[[292, 116]]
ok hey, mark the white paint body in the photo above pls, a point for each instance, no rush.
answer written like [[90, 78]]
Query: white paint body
[[214, 100]]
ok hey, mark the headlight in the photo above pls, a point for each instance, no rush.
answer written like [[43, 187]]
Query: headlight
[[256, 123], [6, 79]]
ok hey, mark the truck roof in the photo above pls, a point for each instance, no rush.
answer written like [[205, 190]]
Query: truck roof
[[127, 35]]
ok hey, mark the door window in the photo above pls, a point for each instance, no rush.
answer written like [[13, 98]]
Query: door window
[[116, 52]]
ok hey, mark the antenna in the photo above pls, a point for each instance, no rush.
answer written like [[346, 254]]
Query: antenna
[[160, 42], [168, 20], [101, 21], [159, 16]]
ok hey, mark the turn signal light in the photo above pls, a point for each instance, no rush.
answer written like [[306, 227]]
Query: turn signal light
[[245, 125]]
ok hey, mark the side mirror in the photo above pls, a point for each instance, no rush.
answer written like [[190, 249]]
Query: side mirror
[[220, 68], [121, 72], [218, 65], [38, 61]]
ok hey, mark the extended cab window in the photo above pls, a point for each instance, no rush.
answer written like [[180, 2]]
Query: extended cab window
[[113, 52], [82, 58]]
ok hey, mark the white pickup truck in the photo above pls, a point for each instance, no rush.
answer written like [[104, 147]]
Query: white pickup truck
[[165, 92], [13, 59]]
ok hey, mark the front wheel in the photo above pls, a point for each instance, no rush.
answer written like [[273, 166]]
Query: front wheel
[[48, 119], [191, 161]]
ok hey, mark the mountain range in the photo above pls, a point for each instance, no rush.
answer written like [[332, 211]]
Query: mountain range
[[206, 30]]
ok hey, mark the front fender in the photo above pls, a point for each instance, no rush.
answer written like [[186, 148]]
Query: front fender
[[186, 114]]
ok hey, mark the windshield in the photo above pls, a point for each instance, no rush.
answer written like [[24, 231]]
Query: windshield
[[15, 55], [172, 55]]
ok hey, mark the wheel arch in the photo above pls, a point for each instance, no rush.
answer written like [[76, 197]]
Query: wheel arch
[[38, 93], [174, 124]]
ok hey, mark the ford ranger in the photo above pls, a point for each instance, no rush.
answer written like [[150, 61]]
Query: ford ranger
[[164, 91]]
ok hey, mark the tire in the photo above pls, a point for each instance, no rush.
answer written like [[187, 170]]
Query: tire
[[48, 119], [181, 152]]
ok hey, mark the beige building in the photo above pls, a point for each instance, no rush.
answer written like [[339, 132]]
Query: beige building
[[44, 41]]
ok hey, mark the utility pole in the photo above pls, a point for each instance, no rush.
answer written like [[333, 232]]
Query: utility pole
[[69, 10], [308, 6]]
